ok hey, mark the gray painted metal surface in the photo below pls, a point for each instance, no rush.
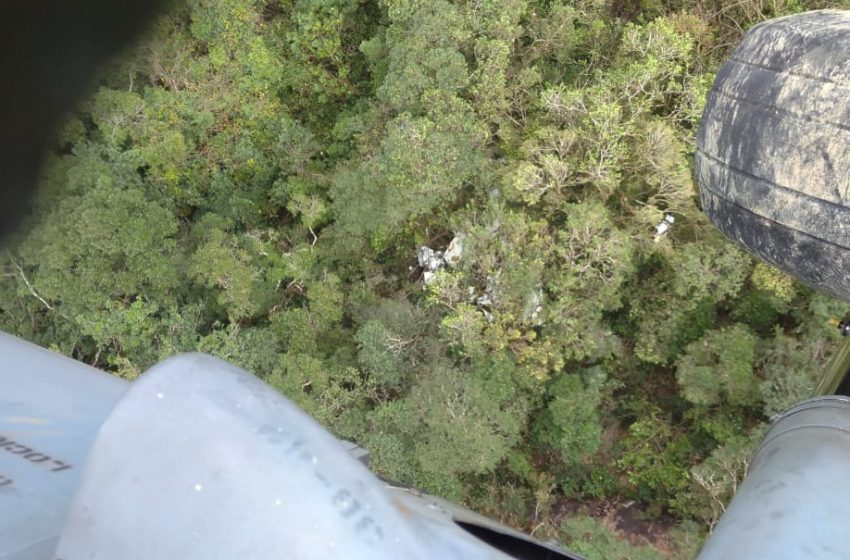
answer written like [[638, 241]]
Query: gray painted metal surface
[[50, 410], [201, 460], [793, 503]]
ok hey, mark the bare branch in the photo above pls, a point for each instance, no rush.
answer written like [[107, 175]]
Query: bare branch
[[30, 288]]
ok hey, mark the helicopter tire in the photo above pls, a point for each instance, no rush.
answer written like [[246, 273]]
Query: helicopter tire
[[773, 148]]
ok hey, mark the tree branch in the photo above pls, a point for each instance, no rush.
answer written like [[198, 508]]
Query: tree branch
[[29, 286]]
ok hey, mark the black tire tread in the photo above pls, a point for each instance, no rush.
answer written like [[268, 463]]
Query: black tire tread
[[773, 149]]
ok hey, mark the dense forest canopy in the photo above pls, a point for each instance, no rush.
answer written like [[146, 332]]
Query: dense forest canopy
[[257, 179]]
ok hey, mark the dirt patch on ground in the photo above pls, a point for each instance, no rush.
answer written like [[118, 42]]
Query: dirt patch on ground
[[626, 519]]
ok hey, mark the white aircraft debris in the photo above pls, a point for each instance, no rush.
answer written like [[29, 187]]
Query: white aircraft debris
[[454, 251], [663, 227]]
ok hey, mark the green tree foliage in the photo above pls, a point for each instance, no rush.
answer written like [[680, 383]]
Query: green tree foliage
[[571, 423], [719, 367], [255, 179], [655, 461], [715, 480], [595, 541]]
